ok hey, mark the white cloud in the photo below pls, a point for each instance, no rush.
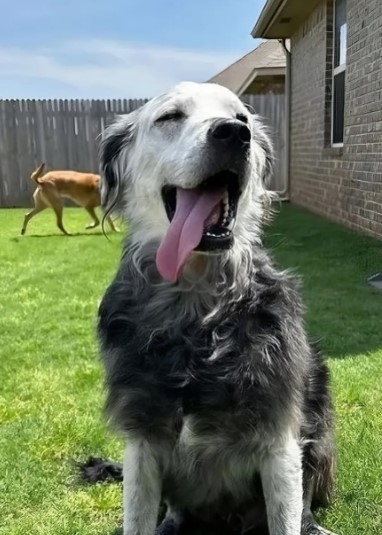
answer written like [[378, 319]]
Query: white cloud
[[106, 68]]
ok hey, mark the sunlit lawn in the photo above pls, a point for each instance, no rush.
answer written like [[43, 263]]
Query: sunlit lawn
[[51, 391]]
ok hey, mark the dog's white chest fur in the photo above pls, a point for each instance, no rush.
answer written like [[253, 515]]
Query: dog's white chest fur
[[206, 464]]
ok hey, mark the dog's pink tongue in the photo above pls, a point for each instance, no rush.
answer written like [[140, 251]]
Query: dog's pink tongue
[[193, 208]]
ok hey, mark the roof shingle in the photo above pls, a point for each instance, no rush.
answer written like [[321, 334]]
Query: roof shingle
[[269, 54]]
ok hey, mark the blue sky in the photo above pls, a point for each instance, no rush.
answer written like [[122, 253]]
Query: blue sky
[[118, 48]]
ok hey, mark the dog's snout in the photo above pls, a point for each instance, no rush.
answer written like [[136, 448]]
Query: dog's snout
[[230, 130]]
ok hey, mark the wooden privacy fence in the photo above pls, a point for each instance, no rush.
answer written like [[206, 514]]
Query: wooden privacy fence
[[271, 106], [65, 133], [62, 133]]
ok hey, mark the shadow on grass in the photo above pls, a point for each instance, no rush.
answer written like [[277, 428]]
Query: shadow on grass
[[192, 530], [71, 235], [198, 527]]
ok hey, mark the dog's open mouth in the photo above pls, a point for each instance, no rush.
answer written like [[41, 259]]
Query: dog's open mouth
[[201, 219]]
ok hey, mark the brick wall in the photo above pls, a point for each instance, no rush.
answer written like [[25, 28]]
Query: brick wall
[[343, 184]]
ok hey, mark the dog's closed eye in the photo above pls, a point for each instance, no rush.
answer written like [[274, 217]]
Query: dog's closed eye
[[175, 115]]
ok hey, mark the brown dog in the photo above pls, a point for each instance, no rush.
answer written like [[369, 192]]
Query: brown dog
[[82, 188]]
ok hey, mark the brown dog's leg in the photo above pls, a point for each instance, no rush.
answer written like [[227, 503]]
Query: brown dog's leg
[[93, 215], [39, 206], [57, 207], [111, 223], [52, 198]]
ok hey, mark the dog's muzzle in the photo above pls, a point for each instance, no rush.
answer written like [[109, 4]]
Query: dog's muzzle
[[202, 218]]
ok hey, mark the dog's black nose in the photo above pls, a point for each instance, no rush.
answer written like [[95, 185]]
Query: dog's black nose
[[227, 131]]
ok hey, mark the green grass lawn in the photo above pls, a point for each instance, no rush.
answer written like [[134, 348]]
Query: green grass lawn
[[51, 391]]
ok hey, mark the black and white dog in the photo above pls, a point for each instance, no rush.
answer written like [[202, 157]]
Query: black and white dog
[[224, 403]]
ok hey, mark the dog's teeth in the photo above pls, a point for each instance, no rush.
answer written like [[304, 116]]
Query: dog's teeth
[[226, 221], [225, 203], [231, 224]]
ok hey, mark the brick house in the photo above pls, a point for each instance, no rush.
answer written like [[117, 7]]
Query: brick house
[[334, 99]]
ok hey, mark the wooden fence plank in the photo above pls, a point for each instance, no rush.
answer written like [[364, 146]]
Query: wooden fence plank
[[271, 107], [22, 148], [12, 152], [4, 187]]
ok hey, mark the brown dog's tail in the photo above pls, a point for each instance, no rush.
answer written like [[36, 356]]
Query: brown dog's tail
[[39, 172]]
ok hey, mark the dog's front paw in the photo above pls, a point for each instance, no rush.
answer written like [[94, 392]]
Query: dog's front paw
[[315, 529]]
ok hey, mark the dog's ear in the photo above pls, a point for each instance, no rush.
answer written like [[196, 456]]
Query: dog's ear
[[262, 137], [115, 143]]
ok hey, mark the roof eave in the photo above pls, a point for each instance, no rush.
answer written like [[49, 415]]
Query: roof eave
[[262, 71], [280, 19], [266, 16]]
